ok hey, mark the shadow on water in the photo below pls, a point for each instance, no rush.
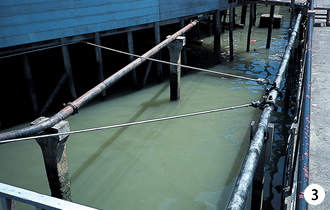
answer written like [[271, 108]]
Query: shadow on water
[[103, 147]]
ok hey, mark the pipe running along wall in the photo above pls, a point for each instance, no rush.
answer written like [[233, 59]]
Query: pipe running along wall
[[244, 181], [73, 107], [303, 168]]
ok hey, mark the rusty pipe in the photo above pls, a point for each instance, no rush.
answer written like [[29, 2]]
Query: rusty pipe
[[72, 107]]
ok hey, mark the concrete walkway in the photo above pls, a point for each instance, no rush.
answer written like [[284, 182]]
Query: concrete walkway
[[319, 170]]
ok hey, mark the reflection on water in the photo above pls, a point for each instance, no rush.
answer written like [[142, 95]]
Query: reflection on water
[[189, 163]]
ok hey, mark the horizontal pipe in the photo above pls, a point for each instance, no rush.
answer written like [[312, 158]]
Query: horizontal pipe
[[73, 107], [244, 181]]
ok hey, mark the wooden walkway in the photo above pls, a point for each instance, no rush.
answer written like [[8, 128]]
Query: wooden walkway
[[320, 111]]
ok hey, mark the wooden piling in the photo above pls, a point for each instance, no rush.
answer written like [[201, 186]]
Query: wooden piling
[[159, 54], [175, 48], [248, 43], [217, 35], [131, 50], [231, 27], [224, 20], [243, 14], [99, 60], [270, 26], [55, 159], [67, 67], [28, 77], [184, 49]]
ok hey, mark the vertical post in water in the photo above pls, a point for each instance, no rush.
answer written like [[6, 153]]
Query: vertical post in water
[[28, 77], [224, 20], [243, 14], [67, 67], [159, 54], [231, 27], [217, 35], [99, 60], [55, 159], [131, 50], [175, 48], [8, 204], [292, 8], [248, 43], [184, 50], [270, 26]]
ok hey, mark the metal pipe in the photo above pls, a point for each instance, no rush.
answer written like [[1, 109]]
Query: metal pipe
[[73, 107], [244, 180], [303, 168]]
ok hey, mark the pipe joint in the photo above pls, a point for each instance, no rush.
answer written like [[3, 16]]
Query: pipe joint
[[74, 108]]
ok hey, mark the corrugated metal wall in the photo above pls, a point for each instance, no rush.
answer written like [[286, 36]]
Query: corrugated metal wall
[[28, 21]]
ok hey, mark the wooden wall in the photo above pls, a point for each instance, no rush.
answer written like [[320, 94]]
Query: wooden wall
[[29, 21]]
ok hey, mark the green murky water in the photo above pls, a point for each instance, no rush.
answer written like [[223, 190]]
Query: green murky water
[[189, 163]]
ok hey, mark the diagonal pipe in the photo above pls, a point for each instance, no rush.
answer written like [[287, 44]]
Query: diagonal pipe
[[74, 106], [244, 181]]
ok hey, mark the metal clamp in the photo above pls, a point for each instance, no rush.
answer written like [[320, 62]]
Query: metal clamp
[[74, 107]]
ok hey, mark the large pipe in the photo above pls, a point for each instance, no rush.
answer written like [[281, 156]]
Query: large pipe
[[244, 181], [73, 107], [303, 167]]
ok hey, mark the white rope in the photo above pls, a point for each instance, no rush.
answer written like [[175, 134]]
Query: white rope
[[126, 124], [259, 80]]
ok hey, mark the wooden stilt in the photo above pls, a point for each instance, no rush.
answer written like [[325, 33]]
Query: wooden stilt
[[231, 27], [131, 50], [224, 20], [250, 28], [28, 77], [67, 67], [217, 34], [175, 48], [99, 61], [270, 26], [243, 14], [184, 50], [147, 73], [159, 54], [254, 14], [54, 93]]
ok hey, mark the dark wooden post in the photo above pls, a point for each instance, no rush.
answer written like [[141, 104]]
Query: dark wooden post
[[28, 77], [217, 34], [224, 20], [184, 50], [131, 50], [250, 28], [99, 61], [67, 67], [231, 28], [175, 48], [270, 26], [243, 14], [159, 54], [55, 159]]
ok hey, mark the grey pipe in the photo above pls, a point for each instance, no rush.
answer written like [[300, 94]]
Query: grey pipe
[[244, 181]]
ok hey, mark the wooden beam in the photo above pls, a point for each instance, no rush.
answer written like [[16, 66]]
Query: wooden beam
[[270, 26], [28, 77], [250, 28], [243, 14], [99, 60], [67, 67], [54, 93], [131, 50], [231, 28], [217, 34], [159, 54]]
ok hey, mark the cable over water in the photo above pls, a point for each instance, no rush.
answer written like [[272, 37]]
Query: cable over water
[[259, 80], [128, 124]]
